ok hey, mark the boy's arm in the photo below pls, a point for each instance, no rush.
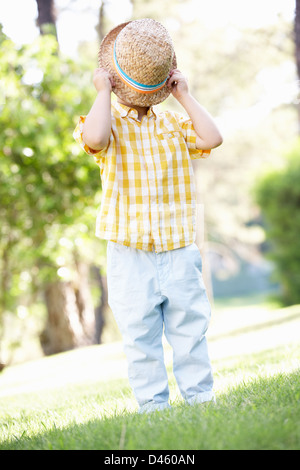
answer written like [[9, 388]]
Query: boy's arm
[[208, 135], [97, 125]]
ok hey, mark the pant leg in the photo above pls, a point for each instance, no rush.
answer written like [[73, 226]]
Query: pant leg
[[135, 300], [186, 316]]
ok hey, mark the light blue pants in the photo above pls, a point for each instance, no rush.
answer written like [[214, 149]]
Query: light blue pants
[[146, 292]]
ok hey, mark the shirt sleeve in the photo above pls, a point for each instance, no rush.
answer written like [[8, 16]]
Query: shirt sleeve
[[190, 135], [78, 136]]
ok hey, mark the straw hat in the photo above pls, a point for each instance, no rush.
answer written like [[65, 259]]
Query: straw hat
[[139, 55]]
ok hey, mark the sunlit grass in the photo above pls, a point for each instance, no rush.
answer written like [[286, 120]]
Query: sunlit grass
[[82, 400]]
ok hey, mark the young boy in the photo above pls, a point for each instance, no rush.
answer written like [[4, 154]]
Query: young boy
[[148, 207]]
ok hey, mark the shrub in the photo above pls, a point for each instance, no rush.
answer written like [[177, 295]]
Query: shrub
[[278, 195]]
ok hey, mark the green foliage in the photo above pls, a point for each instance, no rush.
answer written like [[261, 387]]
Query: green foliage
[[49, 190], [46, 183], [278, 194]]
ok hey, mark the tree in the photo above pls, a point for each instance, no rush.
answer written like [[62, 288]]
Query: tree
[[47, 191], [100, 25], [46, 17], [278, 194], [48, 187], [81, 308], [297, 48]]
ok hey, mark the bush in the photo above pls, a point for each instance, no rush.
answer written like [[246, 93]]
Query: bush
[[278, 195]]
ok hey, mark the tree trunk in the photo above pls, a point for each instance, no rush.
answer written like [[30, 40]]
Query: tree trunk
[[100, 26], [72, 320], [100, 309], [297, 48], [46, 20], [5, 281], [71, 316], [84, 301], [63, 329]]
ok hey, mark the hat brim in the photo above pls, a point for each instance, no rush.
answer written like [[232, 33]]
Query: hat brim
[[128, 95]]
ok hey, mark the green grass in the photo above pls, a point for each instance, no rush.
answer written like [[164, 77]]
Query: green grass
[[71, 401]]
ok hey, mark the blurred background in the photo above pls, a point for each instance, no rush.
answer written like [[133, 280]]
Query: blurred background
[[241, 61]]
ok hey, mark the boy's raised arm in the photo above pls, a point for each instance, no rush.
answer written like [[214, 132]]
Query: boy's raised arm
[[208, 135], [97, 126]]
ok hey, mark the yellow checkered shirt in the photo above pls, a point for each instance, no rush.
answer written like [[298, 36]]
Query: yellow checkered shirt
[[148, 189]]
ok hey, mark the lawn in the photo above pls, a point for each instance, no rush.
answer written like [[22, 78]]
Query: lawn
[[81, 399]]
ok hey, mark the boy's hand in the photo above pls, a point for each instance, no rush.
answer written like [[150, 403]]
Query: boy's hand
[[207, 133], [102, 80], [178, 84]]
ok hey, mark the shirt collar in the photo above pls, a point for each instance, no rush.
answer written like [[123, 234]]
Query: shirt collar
[[124, 110]]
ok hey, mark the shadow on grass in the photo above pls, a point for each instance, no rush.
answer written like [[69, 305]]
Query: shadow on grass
[[261, 414]]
